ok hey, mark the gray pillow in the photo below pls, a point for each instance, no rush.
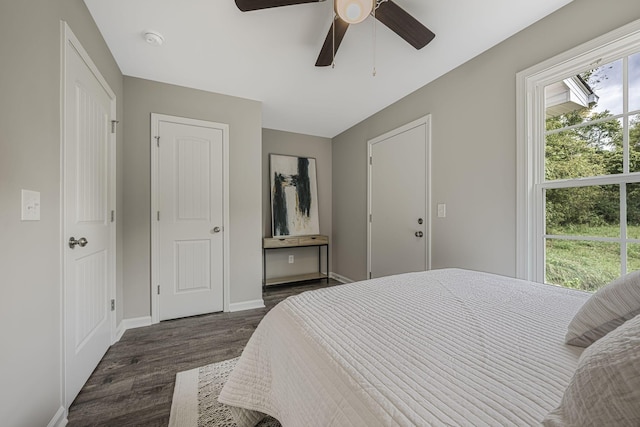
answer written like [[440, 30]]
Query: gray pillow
[[605, 310], [605, 389]]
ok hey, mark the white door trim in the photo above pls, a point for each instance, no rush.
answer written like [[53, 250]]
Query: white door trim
[[70, 41], [155, 126], [426, 120]]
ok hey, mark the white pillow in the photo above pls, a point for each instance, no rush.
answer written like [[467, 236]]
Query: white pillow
[[605, 389], [605, 310]]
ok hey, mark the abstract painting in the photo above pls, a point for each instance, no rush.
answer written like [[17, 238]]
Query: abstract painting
[[294, 195]]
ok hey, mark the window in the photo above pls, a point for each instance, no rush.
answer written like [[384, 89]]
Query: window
[[579, 164]]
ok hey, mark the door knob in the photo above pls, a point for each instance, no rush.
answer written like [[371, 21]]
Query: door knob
[[81, 241], [419, 234], [215, 230]]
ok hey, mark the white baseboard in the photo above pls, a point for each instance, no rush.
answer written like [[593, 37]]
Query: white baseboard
[[59, 419], [119, 332], [136, 322], [340, 278], [246, 305]]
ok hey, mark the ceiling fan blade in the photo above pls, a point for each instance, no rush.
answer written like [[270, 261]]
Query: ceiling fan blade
[[248, 5], [326, 55], [403, 24]]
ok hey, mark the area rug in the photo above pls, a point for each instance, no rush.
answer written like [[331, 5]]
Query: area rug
[[195, 398]]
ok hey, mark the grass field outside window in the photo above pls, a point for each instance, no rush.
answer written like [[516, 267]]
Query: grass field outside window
[[585, 264]]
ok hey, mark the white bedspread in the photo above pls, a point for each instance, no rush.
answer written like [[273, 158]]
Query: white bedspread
[[446, 347]]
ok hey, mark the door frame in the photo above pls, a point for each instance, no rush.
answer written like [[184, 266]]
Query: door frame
[[426, 121], [70, 41], [156, 119]]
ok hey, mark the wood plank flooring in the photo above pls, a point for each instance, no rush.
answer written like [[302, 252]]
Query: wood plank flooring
[[133, 384]]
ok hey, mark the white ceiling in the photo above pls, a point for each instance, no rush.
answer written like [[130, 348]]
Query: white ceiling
[[269, 55]]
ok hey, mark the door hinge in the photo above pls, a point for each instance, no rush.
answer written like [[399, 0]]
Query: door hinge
[[370, 275], [157, 141], [370, 217], [158, 289], [113, 125], [371, 160], [158, 216], [113, 305], [113, 216]]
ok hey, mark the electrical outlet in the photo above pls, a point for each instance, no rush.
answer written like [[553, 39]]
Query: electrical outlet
[[290, 259]]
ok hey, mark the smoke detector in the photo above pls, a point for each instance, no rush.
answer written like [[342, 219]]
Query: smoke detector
[[153, 38]]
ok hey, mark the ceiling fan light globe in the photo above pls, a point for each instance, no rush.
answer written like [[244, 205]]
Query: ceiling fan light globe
[[353, 11]]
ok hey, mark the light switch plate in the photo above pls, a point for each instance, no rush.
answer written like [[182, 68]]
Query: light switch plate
[[442, 210], [30, 205]]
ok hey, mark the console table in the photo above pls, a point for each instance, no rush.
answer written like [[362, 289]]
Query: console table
[[274, 243]]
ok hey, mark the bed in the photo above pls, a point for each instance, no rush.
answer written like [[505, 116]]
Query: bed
[[445, 347]]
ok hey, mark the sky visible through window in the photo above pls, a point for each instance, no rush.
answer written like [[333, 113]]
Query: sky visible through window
[[606, 82]]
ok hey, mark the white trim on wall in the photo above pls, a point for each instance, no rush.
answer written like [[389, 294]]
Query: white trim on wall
[[246, 305], [59, 419], [529, 158], [339, 278], [63, 37], [136, 322]]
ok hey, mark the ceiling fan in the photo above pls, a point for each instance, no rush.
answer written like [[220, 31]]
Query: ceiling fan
[[352, 12]]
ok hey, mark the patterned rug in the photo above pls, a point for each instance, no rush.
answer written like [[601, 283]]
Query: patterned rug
[[195, 398]]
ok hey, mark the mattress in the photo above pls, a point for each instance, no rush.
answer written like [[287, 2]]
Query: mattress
[[444, 347]]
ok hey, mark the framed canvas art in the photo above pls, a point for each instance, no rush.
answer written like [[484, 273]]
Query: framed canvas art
[[294, 195]]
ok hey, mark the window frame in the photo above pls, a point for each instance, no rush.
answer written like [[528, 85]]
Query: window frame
[[530, 147]]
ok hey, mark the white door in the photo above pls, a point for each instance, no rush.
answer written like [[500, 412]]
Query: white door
[[88, 183], [190, 219], [398, 214]]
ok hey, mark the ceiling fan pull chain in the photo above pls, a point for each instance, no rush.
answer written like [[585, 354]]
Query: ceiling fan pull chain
[[374, 39], [333, 40]]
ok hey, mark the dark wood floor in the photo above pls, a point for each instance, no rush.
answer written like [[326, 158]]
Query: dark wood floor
[[133, 384]]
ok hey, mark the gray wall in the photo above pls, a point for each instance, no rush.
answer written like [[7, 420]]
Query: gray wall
[[244, 118], [295, 144], [473, 110], [474, 146], [30, 306]]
